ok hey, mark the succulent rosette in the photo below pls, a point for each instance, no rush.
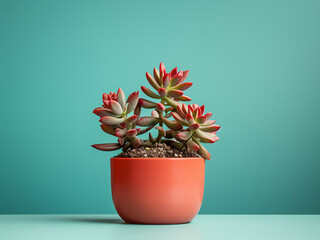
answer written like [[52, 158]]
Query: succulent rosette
[[198, 128], [167, 85], [115, 119], [188, 125]]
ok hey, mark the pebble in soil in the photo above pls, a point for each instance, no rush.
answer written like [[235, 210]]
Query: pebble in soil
[[159, 150]]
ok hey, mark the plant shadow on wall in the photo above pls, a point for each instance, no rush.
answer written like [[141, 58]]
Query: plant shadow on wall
[[189, 128]]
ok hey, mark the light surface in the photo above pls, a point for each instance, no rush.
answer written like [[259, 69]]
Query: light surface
[[220, 227]]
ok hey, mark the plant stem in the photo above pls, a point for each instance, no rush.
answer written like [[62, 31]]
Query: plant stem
[[158, 139], [146, 129], [170, 102]]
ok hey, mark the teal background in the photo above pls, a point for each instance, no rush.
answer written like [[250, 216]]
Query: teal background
[[255, 64]]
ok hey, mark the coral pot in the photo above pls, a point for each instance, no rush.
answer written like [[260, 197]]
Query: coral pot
[[157, 190]]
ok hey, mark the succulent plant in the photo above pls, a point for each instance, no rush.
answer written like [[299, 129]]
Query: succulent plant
[[188, 126], [114, 116], [198, 128], [167, 85]]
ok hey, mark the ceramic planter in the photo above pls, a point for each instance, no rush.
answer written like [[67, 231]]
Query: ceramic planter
[[157, 190]]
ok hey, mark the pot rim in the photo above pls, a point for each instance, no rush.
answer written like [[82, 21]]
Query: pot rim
[[158, 159]]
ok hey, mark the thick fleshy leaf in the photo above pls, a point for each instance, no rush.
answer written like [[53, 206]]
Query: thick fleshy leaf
[[168, 134], [121, 132], [133, 102], [174, 93], [135, 142], [154, 114], [184, 75], [196, 113], [201, 119], [110, 96], [175, 126], [194, 126], [107, 120], [132, 119], [174, 134], [185, 108], [151, 138], [183, 98], [146, 121], [108, 129], [161, 130], [146, 103], [211, 128], [202, 110], [208, 123], [184, 135], [169, 109], [190, 118], [121, 98], [131, 132], [208, 115], [123, 125], [152, 82], [166, 80], [162, 69], [192, 146], [168, 115], [149, 93], [156, 75], [137, 110], [183, 86], [105, 96], [162, 92], [180, 111], [174, 71], [216, 138], [179, 119], [204, 153], [160, 107], [121, 141], [106, 103], [107, 146], [101, 112], [176, 79], [193, 107], [205, 136], [130, 97], [115, 107]]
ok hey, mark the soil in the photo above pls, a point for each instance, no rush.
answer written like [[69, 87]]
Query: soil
[[159, 150]]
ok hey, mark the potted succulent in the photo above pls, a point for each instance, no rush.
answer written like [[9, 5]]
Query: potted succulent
[[158, 180]]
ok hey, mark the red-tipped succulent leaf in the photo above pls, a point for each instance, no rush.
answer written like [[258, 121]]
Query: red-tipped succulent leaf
[[107, 146]]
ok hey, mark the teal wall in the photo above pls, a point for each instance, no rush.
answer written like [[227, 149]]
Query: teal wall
[[255, 64]]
